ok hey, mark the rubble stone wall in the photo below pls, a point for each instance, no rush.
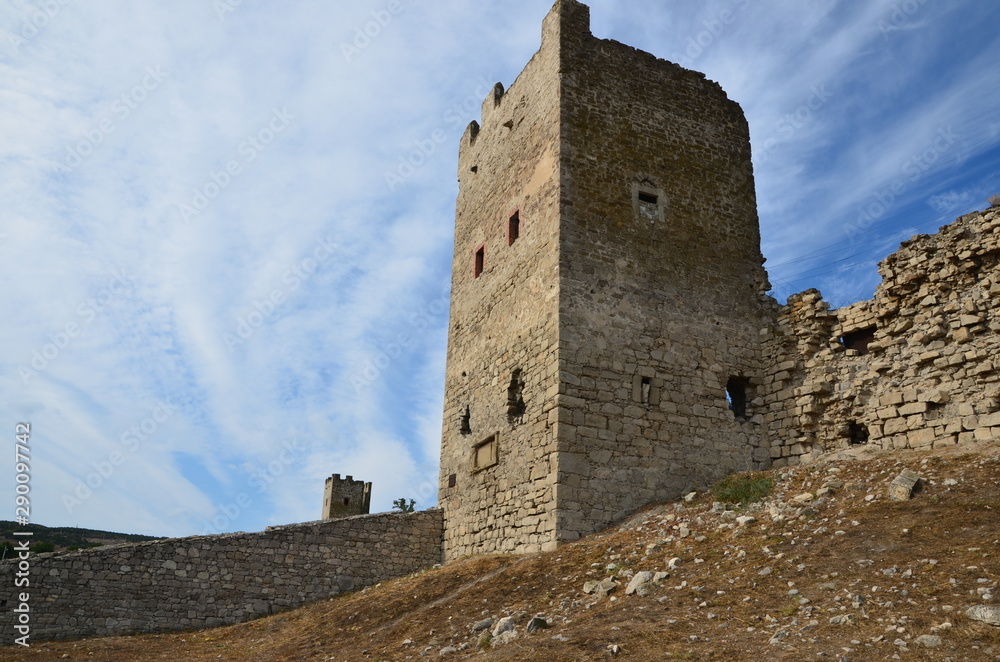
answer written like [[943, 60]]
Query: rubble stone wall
[[206, 581], [927, 379]]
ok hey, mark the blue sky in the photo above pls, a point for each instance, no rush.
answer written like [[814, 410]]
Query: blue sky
[[226, 237]]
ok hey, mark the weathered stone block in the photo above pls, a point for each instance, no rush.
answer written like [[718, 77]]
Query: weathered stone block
[[902, 486]]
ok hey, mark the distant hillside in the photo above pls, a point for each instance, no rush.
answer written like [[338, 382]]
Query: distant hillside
[[63, 538]]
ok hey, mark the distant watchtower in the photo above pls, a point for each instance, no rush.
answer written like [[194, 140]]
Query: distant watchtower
[[343, 497], [607, 296]]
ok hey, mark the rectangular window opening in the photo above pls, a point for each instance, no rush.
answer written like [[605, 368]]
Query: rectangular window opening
[[514, 227], [452, 480], [649, 206], [736, 396], [858, 340], [646, 386], [646, 390], [347, 501], [480, 261]]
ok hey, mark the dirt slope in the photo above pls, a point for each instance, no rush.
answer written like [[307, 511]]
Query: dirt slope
[[848, 575]]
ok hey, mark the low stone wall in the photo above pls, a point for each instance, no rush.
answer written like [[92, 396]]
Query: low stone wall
[[206, 581], [914, 367]]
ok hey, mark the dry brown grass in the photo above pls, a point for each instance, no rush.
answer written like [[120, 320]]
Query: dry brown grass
[[727, 618]]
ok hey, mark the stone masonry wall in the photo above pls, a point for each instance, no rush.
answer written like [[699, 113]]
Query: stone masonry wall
[[206, 581], [662, 289], [501, 372], [928, 378]]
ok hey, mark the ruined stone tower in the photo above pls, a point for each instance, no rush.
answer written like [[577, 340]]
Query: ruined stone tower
[[607, 296], [343, 497]]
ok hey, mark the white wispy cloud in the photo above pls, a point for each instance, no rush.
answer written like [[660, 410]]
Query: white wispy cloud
[[207, 156]]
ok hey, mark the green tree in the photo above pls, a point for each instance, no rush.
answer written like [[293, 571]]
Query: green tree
[[402, 506]]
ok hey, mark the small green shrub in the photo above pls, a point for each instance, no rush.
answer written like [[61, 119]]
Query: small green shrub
[[743, 488], [42, 547]]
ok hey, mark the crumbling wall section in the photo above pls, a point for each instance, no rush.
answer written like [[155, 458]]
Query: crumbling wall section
[[913, 367]]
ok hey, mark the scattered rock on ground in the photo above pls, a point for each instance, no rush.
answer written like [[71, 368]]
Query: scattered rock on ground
[[902, 486], [985, 614], [928, 641], [505, 624], [639, 584], [537, 623]]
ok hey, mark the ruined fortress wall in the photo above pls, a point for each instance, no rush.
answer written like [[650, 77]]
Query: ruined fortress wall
[[501, 373], [206, 581], [661, 282], [929, 376]]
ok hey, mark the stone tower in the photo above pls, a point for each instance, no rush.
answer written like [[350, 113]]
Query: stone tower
[[607, 296], [343, 497]]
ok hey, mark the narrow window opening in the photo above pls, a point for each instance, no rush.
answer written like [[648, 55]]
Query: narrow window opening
[[736, 396], [347, 501], [649, 206], [858, 340], [515, 399], [485, 454], [857, 434], [452, 480], [480, 261], [466, 422], [514, 227], [646, 389]]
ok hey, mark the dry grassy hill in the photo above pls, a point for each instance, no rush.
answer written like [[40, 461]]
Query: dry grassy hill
[[845, 575]]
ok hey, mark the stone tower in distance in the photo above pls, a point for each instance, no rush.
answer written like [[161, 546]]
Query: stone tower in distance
[[608, 294], [343, 497]]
